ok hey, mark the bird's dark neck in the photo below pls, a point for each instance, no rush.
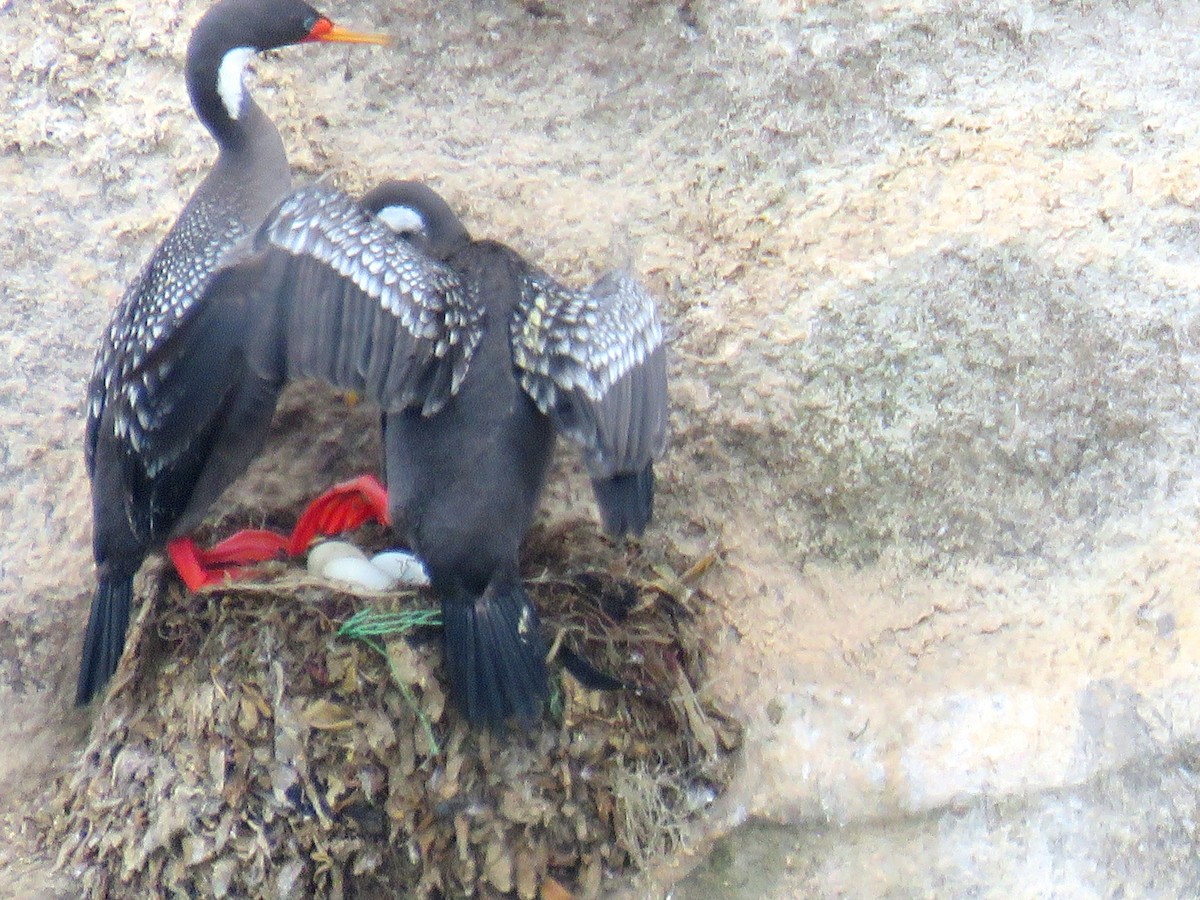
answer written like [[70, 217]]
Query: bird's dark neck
[[253, 162], [203, 79]]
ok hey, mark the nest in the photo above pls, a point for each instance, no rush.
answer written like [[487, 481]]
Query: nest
[[248, 749]]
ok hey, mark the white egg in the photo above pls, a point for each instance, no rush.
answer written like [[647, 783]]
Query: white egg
[[358, 572], [324, 553], [405, 568]]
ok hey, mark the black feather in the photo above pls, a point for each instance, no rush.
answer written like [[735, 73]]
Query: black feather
[[104, 640], [496, 655], [587, 674], [626, 501]]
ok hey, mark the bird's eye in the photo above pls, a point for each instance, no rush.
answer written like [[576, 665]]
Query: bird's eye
[[310, 22]]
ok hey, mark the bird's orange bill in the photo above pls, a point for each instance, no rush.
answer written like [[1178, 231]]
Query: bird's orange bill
[[325, 30]]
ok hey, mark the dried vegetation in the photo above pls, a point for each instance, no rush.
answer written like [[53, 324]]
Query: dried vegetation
[[246, 749]]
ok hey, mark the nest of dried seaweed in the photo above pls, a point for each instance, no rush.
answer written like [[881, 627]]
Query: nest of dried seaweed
[[248, 749]]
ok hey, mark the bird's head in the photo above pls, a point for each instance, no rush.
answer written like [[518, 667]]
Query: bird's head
[[418, 214], [232, 31]]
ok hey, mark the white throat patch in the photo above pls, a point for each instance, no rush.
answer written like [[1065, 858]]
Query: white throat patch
[[402, 219], [229, 79]]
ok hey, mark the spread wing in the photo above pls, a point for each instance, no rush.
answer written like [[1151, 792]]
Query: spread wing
[[122, 384], [333, 294], [185, 421], [595, 362]]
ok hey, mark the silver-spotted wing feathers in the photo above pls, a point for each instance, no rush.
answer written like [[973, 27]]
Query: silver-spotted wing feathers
[[358, 308], [156, 302], [594, 361]]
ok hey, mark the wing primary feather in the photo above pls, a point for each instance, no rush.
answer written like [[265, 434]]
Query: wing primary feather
[[635, 426], [592, 360], [362, 309]]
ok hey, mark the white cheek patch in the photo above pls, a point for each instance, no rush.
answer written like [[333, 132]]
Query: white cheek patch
[[229, 79], [402, 219]]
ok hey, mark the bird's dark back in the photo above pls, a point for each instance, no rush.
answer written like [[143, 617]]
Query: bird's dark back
[[465, 482]]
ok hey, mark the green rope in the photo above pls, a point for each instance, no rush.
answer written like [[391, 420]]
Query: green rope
[[367, 625], [371, 623]]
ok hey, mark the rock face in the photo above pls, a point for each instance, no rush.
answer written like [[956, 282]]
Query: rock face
[[932, 272]]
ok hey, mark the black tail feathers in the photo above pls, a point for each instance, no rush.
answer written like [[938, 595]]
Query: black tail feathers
[[496, 655], [105, 638], [626, 501]]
